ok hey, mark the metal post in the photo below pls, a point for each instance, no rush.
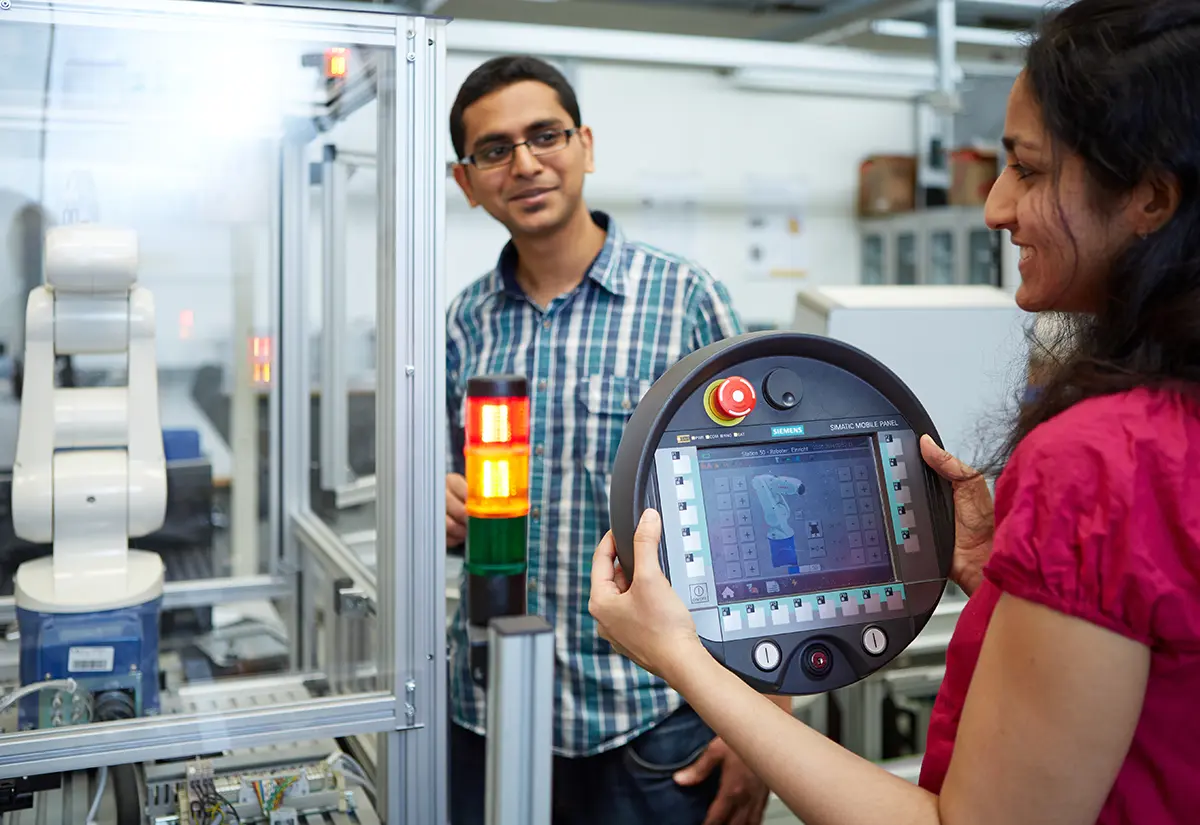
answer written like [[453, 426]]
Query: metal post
[[947, 64], [520, 721], [335, 426], [935, 114], [410, 422], [291, 385], [244, 430]]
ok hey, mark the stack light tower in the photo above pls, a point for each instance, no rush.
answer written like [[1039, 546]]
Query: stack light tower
[[497, 470]]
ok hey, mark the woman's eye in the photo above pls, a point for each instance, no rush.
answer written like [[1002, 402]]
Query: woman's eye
[[1022, 172]]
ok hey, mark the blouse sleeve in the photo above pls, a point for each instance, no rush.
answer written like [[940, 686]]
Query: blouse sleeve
[[1083, 528]]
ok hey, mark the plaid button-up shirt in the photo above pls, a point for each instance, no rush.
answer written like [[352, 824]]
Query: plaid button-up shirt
[[589, 357]]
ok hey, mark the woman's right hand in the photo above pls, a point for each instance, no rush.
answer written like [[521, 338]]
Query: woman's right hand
[[974, 519]]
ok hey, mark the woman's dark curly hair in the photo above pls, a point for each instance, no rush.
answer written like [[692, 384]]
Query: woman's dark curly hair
[[1118, 85]]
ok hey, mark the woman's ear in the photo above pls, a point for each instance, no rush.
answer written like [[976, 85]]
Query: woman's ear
[[1154, 203]]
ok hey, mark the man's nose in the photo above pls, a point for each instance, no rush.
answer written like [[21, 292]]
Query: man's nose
[[525, 162]]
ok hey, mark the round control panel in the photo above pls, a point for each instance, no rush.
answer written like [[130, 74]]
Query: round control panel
[[810, 546]]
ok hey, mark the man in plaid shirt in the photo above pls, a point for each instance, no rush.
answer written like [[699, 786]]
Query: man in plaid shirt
[[591, 319]]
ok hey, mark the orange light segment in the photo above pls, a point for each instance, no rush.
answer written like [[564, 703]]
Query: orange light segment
[[497, 483], [336, 60]]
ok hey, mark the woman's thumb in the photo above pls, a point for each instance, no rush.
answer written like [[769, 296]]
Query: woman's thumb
[[646, 540], [942, 462]]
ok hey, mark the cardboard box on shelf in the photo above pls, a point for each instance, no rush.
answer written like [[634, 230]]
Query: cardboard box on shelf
[[972, 174], [887, 185]]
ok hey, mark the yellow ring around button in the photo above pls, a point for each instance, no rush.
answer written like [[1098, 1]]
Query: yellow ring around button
[[711, 409]]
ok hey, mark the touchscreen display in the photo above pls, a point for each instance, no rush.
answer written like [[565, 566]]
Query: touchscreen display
[[794, 518]]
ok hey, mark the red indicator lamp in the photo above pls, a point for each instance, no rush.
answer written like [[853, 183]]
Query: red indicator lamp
[[497, 459], [729, 400]]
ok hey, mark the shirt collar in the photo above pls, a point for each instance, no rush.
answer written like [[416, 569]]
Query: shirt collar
[[606, 270]]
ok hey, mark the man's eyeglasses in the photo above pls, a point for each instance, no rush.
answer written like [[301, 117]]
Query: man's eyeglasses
[[544, 142]]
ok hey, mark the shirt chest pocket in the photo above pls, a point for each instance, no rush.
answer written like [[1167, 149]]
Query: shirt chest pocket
[[605, 403]]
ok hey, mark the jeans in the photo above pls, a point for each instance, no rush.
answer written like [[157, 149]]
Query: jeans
[[630, 785]]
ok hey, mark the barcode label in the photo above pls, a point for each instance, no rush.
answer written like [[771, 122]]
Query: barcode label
[[90, 660]]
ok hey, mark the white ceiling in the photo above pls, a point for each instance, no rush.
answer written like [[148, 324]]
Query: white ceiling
[[777, 20]]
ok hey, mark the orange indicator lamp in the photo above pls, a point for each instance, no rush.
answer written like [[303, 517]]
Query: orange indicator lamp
[[336, 62]]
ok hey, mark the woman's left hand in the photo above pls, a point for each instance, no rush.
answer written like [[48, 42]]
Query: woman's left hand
[[644, 619]]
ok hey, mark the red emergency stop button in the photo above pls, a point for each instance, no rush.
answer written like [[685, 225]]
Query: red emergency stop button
[[735, 397]]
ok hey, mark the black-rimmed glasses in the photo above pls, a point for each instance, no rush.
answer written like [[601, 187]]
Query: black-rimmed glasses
[[545, 142]]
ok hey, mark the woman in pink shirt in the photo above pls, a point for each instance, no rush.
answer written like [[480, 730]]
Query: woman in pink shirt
[[1073, 678]]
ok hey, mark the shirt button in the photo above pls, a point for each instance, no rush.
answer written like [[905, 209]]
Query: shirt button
[[546, 324], [542, 385], [532, 584], [626, 404], [536, 512], [539, 449]]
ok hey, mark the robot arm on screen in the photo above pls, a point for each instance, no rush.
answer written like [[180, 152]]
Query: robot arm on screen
[[771, 490]]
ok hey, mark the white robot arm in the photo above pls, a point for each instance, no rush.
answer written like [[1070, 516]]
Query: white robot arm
[[771, 490], [90, 472]]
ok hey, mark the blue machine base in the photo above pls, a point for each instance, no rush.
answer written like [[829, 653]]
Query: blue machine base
[[106, 651], [783, 552]]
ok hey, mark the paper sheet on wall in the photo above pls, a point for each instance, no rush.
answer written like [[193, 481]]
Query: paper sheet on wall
[[776, 240]]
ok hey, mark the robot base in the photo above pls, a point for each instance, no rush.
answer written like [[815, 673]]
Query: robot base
[[112, 653], [783, 552]]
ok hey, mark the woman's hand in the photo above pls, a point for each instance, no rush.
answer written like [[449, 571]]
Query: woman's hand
[[974, 519], [644, 619]]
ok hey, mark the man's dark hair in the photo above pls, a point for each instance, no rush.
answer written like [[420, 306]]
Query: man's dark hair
[[499, 73]]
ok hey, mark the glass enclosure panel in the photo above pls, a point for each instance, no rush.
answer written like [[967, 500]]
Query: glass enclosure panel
[[168, 134], [982, 258], [872, 259], [941, 257], [906, 258], [340, 273]]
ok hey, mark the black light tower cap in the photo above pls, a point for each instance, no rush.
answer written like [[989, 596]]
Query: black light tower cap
[[498, 386]]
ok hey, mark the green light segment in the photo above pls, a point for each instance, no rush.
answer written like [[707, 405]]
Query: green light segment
[[496, 546]]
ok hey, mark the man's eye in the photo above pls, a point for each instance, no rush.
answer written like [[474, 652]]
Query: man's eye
[[546, 138], [495, 152]]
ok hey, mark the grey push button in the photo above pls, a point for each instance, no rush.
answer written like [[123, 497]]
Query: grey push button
[[767, 655], [874, 641]]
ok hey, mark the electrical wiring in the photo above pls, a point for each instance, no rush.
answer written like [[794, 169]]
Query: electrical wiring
[[349, 764], [67, 685], [101, 780]]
